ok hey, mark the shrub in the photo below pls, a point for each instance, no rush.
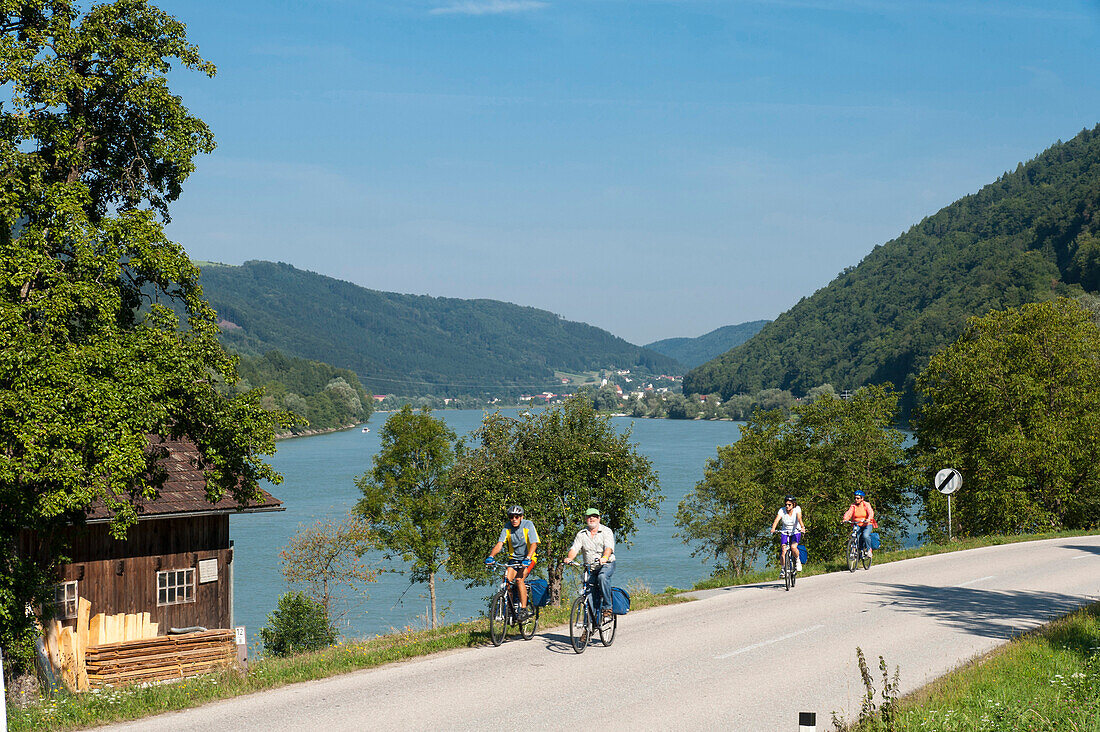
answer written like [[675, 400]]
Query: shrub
[[297, 625]]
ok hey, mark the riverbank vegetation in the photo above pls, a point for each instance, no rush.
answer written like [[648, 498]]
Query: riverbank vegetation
[[1014, 403], [320, 396]]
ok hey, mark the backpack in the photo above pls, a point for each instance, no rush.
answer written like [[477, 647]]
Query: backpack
[[802, 553]]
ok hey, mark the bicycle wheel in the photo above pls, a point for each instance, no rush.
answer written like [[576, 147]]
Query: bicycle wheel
[[791, 564], [788, 572], [498, 618], [607, 629], [866, 559], [578, 625], [528, 626], [853, 554]]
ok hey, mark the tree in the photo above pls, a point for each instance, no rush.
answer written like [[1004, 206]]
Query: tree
[[823, 452], [405, 495], [556, 463], [326, 556], [1014, 404], [93, 148]]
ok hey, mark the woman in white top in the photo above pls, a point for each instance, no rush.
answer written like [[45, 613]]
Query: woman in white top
[[791, 533]]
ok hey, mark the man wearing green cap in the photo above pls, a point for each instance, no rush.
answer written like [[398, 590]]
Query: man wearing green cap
[[597, 543]]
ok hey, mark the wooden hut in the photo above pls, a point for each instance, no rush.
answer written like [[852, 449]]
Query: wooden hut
[[176, 563]]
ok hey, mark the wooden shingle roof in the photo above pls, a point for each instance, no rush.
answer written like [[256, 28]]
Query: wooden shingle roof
[[183, 491]]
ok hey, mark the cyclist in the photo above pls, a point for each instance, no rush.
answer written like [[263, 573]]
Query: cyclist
[[597, 543], [522, 538], [791, 533], [862, 514]]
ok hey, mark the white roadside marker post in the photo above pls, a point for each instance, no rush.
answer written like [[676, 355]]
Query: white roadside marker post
[[807, 722], [3, 698]]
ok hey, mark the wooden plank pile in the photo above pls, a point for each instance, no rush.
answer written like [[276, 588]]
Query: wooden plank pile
[[158, 659], [115, 650]]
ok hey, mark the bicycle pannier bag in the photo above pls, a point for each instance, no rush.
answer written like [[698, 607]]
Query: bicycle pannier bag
[[620, 601], [875, 540], [539, 592], [802, 553]]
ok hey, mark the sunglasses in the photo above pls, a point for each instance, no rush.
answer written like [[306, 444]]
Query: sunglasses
[[515, 515]]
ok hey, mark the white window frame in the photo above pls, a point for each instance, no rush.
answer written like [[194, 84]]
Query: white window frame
[[176, 586], [66, 598]]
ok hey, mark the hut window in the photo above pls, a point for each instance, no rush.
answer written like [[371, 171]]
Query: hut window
[[175, 586], [65, 597]]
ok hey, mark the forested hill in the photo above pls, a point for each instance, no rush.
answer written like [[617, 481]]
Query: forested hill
[[693, 351], [1031, 235], [409, 344]]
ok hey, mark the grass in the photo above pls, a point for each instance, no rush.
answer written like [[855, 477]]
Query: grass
[[1048, 679], [816, 566], [75, 711]]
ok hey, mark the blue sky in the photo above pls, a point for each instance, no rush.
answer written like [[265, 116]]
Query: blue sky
[[657, 169]]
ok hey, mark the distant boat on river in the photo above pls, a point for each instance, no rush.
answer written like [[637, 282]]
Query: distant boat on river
[[366, 429]]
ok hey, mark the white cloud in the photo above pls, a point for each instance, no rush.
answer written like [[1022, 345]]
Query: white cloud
[[489, 7]]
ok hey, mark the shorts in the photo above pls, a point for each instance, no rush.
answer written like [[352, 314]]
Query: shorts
[[785, 539], [522, 572]]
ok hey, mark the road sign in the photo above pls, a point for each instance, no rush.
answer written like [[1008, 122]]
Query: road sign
[[948, 481]]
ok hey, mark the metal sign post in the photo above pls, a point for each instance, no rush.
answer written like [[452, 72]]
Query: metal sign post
[[948, 481]]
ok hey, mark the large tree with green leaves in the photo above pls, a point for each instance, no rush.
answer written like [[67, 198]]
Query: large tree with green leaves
[[1014, 404], [821, 453], [405, 495], [556, 463], [93, 148]]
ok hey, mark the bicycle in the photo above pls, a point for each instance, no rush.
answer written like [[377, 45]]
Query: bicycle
[[789, 570], [504, 609], [584, 614], [857, 552]]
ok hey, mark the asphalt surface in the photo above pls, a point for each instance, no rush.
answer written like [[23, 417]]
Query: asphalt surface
[[744, 658]]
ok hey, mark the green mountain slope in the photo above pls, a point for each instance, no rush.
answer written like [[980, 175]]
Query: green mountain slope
[[409, 344], [693, 351], [1032, 235]]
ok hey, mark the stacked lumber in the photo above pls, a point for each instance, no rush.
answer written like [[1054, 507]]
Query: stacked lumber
[[159, 659], [67, 647]]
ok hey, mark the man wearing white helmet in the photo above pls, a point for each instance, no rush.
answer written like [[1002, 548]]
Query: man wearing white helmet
[[521, 538]]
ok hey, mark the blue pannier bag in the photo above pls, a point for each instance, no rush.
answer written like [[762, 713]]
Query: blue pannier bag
[[620, 601], [802, 553], [539, 592], [875, 540]]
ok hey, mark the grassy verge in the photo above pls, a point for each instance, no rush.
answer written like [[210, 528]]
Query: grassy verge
[[74, 711], [1048, 679], [815, 566]]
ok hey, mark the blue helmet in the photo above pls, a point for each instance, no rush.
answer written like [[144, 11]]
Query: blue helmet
[[859, 493]]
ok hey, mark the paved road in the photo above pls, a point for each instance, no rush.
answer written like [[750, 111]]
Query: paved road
[[747, 658]]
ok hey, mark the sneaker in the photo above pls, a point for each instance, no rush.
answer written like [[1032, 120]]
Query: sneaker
[[584, 636], [607, 615], [868, 553], [524, 614], [782, 573], [798, 567]]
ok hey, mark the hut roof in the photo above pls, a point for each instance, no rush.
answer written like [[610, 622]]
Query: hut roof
[[183, 491]]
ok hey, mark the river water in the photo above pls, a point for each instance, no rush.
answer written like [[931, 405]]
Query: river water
[[319, 483]]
